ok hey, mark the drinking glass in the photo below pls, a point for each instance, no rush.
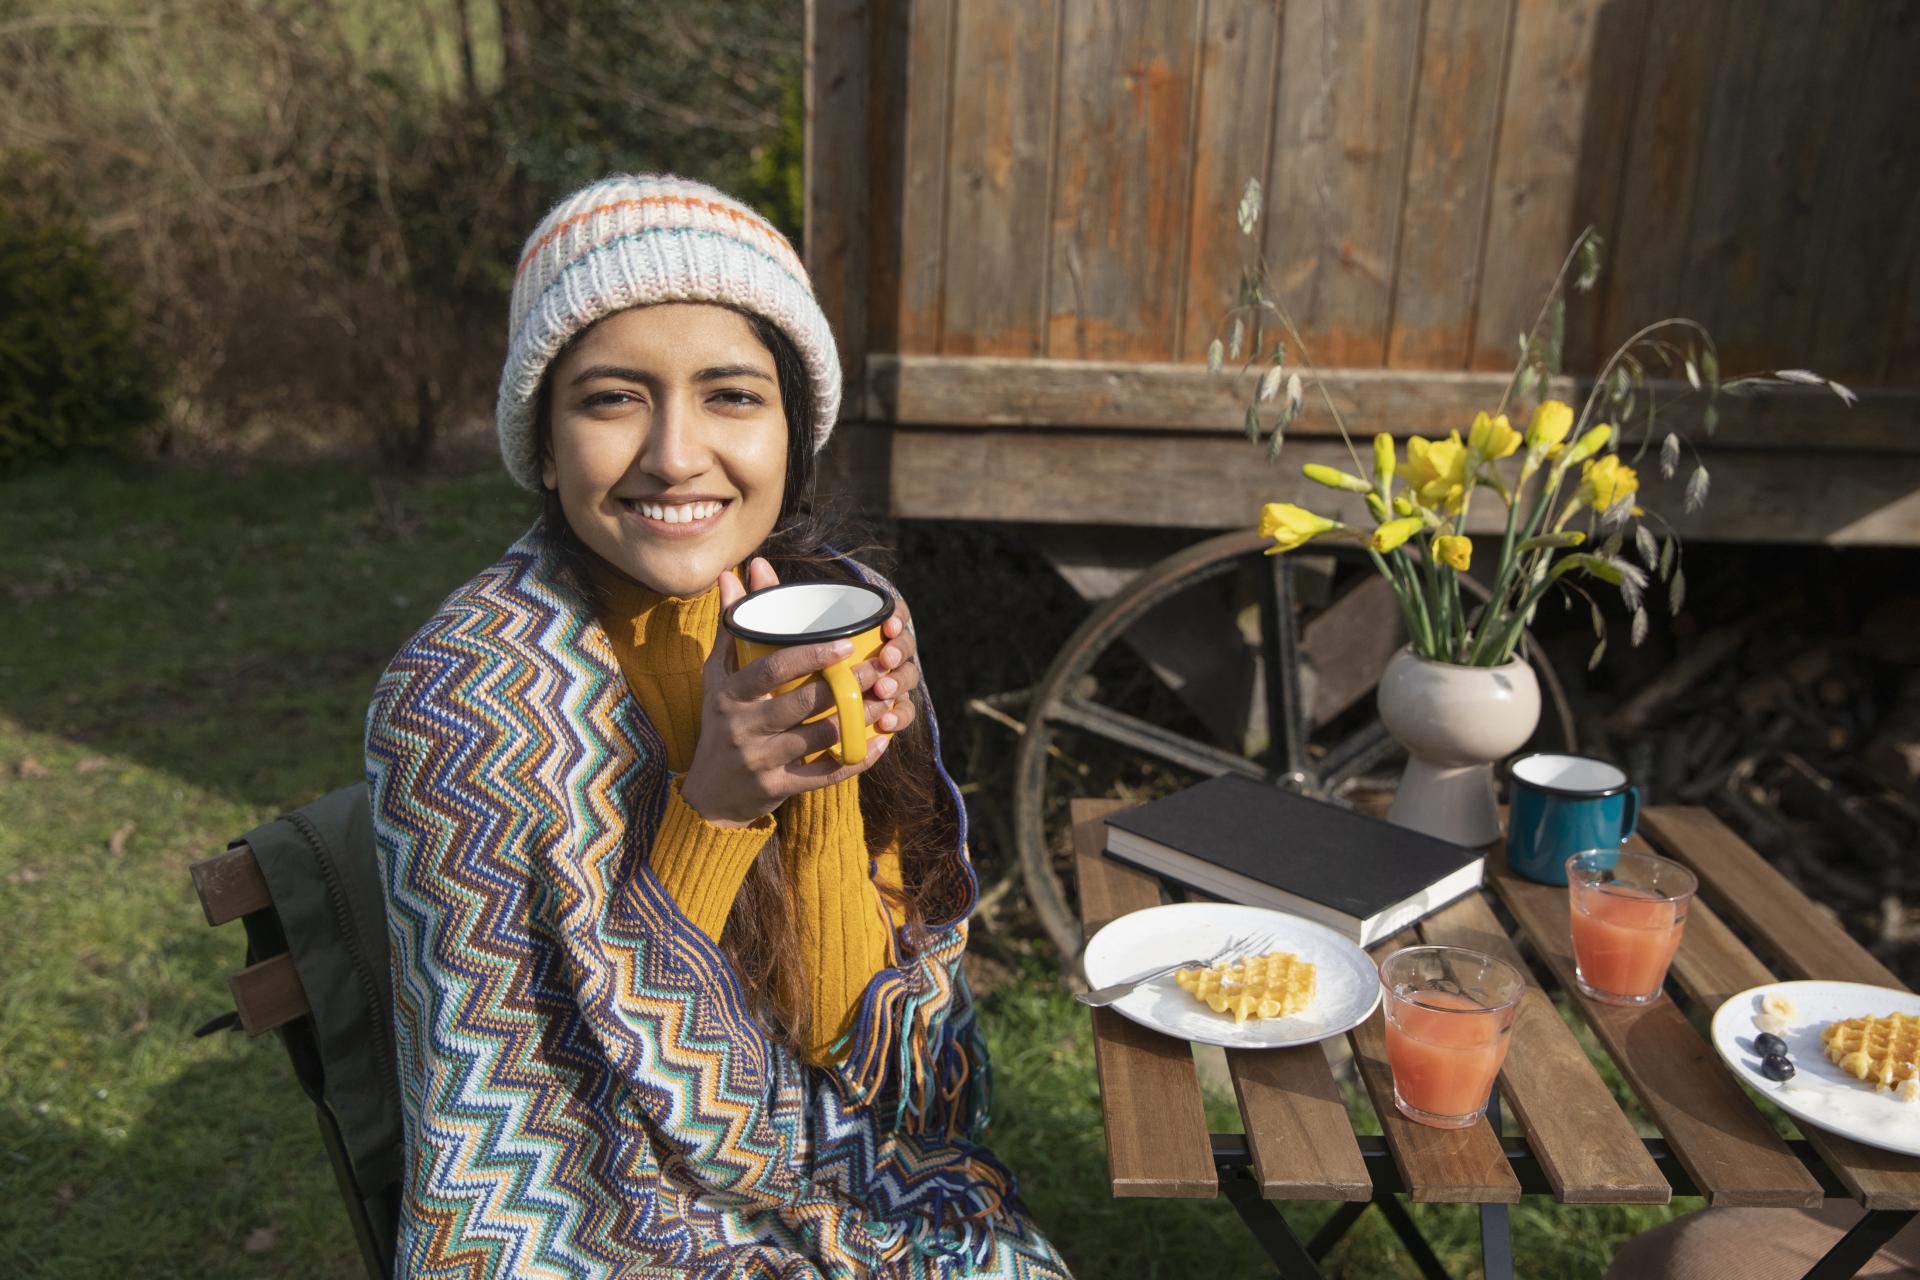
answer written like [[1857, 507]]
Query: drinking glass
[[1450, 1014], [1628, 910]]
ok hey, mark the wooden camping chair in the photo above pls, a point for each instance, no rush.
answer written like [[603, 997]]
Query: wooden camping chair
[[268, 996]]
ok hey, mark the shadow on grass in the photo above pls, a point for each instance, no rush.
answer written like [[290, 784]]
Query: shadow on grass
[[221, 1174], [228, 626]]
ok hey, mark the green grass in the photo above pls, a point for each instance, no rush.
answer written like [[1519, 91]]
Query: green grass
[[188, 653]]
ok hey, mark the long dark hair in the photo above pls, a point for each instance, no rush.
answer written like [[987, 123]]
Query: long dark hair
[[902, 801]]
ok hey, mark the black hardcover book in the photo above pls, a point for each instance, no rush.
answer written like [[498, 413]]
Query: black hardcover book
[[1252, 843]]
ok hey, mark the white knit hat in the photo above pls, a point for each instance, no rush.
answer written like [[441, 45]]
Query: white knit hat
[[630, 240]]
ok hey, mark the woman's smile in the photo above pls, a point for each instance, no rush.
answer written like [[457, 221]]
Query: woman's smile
[[669, 517]]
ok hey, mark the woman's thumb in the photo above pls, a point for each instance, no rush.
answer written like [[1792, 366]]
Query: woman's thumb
[[721, 663]]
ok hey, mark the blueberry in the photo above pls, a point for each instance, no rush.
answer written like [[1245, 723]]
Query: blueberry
[[1769, 1046], [1776, 1067]]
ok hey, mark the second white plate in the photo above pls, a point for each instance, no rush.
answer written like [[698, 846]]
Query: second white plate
[[1346, 983], [1820, 1093]]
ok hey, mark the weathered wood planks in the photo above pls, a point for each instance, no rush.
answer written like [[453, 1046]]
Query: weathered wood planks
[[1156, 1126], [1120, 198], [999, 156]]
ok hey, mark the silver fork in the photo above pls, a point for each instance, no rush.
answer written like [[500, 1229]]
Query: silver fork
[[1245, 945]]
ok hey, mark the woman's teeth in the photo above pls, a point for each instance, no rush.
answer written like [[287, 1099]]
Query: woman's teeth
[[678, 513]]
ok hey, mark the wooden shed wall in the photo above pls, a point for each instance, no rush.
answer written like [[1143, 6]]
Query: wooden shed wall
[[1051, 184]]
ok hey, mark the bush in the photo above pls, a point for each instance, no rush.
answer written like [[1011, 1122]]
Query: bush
[[71, 375]]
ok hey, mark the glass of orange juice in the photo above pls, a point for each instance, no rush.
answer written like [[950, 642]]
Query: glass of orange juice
[[1450, 1014], [1628, 911]]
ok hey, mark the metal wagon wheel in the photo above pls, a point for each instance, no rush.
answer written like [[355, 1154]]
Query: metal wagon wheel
[[1307, 750]]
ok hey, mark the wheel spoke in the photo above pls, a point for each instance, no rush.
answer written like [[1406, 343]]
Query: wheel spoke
[[1355, 754], [1280, 656], [1143, 735]]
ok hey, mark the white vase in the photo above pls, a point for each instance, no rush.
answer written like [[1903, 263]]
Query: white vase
[[1455, 723]]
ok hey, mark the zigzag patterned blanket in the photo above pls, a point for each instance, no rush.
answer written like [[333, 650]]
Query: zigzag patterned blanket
[[585, 1092]]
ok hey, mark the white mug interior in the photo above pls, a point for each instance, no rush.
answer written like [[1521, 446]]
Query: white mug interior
[[800, 609], [1568, 773]]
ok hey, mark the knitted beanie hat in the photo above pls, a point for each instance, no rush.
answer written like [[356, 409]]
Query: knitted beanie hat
[[630, 240]]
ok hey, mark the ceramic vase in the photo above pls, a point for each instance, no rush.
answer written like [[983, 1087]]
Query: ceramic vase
[[1455, 722]]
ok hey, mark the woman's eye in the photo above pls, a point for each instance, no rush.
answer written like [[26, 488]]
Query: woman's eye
[[736, 397], [603, 399]]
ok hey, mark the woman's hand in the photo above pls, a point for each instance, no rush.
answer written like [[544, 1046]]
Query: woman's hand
[[753, 744]]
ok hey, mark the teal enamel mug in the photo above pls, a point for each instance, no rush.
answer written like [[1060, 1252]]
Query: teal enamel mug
[[1560, 805]]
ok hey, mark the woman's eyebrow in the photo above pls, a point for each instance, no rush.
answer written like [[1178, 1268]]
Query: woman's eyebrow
[[718, 372], [622, 372]]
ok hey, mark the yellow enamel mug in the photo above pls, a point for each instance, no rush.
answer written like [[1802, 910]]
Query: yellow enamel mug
[[792, 613]]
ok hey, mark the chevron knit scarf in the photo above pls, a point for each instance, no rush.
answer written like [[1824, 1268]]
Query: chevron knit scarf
[[585, 1090]]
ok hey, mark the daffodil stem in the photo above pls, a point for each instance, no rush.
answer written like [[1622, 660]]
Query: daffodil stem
[[1399, 592]]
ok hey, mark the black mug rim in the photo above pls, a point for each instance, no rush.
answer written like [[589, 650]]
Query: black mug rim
[[881, 613], [1515, 780]]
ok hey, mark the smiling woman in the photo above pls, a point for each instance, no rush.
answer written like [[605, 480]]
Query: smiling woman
[[667, 995]]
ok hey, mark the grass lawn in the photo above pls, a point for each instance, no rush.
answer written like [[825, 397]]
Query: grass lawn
[[188, 653]]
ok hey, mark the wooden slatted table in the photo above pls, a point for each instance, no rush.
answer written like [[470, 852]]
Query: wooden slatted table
[[1748, 926]]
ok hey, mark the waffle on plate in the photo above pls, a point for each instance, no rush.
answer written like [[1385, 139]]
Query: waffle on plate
[[1276, 985], [1884, 1050]]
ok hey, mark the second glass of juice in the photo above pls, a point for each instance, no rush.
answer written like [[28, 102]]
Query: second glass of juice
[[1449, 1014], [1628, 910]]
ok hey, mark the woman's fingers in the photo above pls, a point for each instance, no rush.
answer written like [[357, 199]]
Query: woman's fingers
[[785, 710], [763, 675], [723, 662], [760, 574], [826, 771], [800, 740]]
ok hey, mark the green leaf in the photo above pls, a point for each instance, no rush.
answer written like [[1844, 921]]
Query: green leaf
[[1599, 622]]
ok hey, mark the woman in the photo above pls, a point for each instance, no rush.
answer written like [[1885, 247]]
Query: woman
[[669, 1000]]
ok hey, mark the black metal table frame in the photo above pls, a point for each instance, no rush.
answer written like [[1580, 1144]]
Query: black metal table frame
[[1233, 1161]]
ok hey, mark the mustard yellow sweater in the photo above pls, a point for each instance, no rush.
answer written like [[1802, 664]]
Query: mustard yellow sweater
[[842, 890]]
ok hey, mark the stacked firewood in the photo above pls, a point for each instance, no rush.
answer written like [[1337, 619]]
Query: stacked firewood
[[1808, 745]]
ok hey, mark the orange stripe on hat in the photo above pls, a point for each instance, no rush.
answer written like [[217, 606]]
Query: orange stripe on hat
[[712, 206]]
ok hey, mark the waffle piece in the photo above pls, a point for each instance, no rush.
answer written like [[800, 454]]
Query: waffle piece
[[1275, 985], [1882, 1051]]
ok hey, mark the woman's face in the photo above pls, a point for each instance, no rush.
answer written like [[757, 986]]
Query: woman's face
[[669, 444]]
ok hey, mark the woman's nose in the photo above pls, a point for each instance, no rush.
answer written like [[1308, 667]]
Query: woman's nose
[[672, 448]]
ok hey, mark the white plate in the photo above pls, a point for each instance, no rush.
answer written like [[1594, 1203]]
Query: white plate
[[1820, 1093], [1346, 983]]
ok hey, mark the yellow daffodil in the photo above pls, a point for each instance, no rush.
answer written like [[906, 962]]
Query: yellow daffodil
[[1394, 532], [1454, 551], [1550, 424], [1607, 481], [1437, 470], [1591, 442], [1492, 438], [1383, 461], [1290, 526], [1334, 478]]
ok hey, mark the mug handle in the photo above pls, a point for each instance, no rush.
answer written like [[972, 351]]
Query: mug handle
[[1630, 821], [851, 710]]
